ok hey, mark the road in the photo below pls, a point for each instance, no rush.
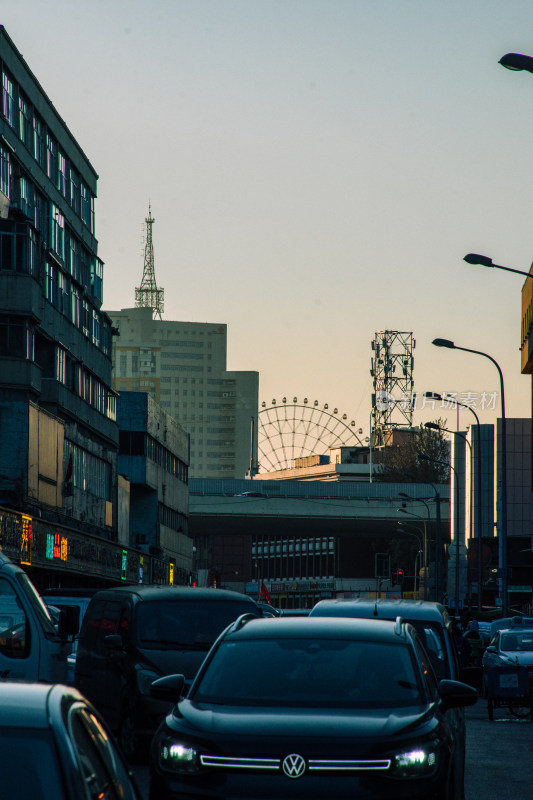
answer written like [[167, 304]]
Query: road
[[499, 757]]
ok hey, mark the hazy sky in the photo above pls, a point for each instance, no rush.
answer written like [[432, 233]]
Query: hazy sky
[[317, 170]]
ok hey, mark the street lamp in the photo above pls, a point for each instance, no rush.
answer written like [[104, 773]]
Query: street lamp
[[435, 396], [425, 534], [485, 261], [438, 535], [517, 62], [503, 521], [434, 426]]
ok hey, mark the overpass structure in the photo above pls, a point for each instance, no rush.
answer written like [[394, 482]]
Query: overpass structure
[[219, 507]]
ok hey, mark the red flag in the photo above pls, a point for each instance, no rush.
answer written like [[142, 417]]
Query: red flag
[[265, 594]]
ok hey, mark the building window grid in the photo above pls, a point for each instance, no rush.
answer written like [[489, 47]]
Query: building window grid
[[292, 558], [6, 172], [8, 99]]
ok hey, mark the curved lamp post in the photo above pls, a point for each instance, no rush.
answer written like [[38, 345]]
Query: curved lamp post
[[517, 62], [485, 261], [502, 518], [425, 532], [438, 535]]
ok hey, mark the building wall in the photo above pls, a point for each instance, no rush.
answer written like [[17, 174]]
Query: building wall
[[153, 458], [55, 342], [182, 366]]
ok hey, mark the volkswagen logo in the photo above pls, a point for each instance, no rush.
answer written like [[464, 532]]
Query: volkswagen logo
[[293, 766]]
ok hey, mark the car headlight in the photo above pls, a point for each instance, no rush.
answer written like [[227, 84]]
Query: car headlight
[[178, 756], [415, 762], [145, 678]]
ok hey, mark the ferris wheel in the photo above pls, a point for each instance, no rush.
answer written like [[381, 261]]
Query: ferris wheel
[[289, 430]]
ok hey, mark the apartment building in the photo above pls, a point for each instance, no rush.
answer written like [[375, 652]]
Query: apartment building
[[183, 366], [58, 431]]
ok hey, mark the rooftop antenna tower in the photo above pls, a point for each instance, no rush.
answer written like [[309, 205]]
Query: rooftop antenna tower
[[147, 295], [393, 399]]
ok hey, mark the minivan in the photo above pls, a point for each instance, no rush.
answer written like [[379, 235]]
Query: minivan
[[132, 635]]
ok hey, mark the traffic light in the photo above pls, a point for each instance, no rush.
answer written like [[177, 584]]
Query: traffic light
[[399, 576]]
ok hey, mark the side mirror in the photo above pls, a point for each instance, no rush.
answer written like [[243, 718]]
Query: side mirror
[[168, 688], [454, 694], [491, 649], [114, 641]]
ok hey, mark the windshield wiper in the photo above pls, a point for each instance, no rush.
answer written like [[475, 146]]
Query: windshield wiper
[[170, 643]]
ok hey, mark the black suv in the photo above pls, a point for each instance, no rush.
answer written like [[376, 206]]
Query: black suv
[[302, 708], [132, 635]]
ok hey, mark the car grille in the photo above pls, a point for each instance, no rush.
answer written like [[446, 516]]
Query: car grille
[[313, 764]]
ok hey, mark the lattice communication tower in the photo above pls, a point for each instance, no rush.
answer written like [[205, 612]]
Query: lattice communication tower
[[392, 371], [147, 295]]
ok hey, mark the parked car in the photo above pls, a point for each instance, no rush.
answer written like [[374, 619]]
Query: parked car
[[306, 708], [132, 635], [54, 744]]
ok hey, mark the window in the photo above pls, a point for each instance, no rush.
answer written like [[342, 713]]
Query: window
[[8, 99], [51, 158], [50, 289], [61, 365], [97, 274], [61, 173], [14, 643], [13, 339], [25, 129], [38, 140], [26, 197], [85, 205], [74, 190], [6, 172], [57, 231]]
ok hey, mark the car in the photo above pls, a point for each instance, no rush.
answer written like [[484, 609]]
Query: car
[[310, 708], [431, 620], [54, 744], [132, 635], [509, 647]]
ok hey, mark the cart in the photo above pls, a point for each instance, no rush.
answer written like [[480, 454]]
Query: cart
[[509, 687]]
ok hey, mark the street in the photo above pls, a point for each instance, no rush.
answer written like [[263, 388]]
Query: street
[[499, 757]]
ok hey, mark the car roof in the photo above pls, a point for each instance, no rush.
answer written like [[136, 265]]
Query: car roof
[[416, 610], [185, 593], [315, 628], [27, 705]]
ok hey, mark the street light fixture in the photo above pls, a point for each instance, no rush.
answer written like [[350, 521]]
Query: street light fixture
[[435, 396], [438, 536], [485, 261], [517, 62], [503, 521]]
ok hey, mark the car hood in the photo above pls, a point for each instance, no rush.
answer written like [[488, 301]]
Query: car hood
[[280, 723]]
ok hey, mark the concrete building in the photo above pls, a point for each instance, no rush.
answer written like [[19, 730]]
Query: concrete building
[[154, 459], [183, 366], [58, 429]]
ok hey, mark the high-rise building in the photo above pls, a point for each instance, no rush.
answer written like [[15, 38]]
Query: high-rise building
[[182, 365], [58, 429]]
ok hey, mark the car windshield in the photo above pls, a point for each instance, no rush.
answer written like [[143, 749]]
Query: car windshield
[[29, 765], [310, 673], [517, 642], [191, 624]]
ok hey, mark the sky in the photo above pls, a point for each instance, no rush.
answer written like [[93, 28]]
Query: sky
[[317, 169]]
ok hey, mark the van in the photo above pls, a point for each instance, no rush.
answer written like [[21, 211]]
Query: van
[[32, 648], [132, 635]]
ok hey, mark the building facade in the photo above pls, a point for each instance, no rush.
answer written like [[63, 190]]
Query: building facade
[[59, 437], [183, 366], [154, 459]]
